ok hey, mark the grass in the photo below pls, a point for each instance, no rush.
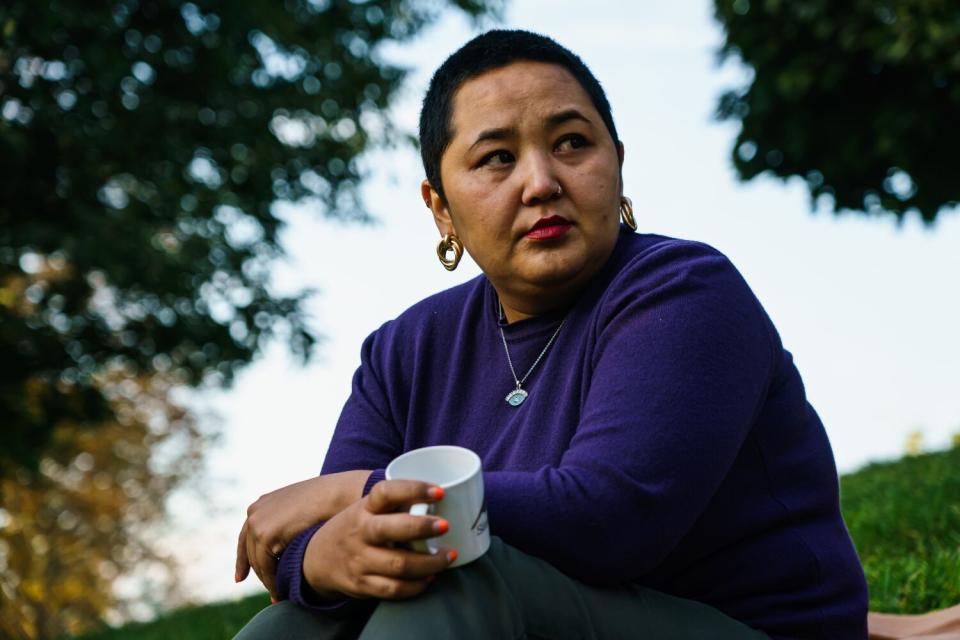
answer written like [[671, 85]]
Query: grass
[[218, 621], [904, 517]]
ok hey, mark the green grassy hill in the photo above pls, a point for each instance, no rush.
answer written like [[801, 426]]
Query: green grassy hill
[[904, 517], [218, 621]]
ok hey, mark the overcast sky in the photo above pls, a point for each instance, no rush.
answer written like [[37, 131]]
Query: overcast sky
[[870, 310]]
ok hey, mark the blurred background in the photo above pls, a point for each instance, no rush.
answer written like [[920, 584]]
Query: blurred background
[[205, 207]]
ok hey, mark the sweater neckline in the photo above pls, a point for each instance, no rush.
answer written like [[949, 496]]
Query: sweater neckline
[[528, 327]]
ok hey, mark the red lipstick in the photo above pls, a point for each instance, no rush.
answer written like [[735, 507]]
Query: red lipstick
[[549, 228]]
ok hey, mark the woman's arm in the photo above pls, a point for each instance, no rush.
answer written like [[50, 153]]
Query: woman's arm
[[365, 438], [277, 517]]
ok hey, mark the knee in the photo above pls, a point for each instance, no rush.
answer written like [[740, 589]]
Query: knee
[[259, 625], [472, 601], [275, 621]]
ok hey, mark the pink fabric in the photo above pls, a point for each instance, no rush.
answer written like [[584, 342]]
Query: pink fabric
[[936, 625]]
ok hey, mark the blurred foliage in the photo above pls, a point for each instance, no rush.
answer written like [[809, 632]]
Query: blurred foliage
[[860, 99], [143, 146], [904, 518], [914, 443], [91, 511]]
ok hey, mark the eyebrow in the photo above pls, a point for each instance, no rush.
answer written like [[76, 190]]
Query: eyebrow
[[501, 133], [564, 116]]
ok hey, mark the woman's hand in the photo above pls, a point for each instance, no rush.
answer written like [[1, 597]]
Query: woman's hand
[[353, 553], [276, 517]]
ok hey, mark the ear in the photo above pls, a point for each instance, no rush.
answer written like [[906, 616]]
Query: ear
[[620, 161], [436, 204]]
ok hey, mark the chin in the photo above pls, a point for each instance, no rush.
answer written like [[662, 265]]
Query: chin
[[555, 275]]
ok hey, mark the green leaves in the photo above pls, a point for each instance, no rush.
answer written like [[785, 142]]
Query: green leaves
[[858, 99], [143, 145]]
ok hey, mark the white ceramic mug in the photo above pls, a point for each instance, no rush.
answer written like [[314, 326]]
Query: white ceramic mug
[[458, 471]]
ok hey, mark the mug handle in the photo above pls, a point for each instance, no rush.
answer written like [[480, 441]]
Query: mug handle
[[423, 546]]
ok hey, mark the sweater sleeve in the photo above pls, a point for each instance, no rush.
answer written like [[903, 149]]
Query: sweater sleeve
[[682, 361], [291, 583], [365, 438], [367, 435]]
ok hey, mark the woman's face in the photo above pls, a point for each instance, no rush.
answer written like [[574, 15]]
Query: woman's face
[[532, 184]]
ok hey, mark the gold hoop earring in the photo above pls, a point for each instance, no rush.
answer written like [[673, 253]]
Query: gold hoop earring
[[450, 242], [626, 213]]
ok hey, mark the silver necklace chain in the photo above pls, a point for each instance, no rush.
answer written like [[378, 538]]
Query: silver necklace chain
[[516, 397]]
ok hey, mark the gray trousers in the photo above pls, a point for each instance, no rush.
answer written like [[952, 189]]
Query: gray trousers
[[509, 595]]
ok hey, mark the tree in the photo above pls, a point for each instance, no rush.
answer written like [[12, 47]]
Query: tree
[[859, 99], [143, 144], [85, 516]]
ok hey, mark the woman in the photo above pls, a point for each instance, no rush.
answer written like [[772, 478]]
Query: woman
[[652, 467]]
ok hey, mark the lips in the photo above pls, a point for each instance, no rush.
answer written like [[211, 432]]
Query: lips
[[547, 228]]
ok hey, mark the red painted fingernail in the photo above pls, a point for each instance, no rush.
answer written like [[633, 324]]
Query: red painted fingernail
[[451, 556], [436, 493], [273, 600], [441, 526], [236, 577]]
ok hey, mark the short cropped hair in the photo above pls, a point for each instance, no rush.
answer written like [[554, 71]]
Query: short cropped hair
[[488, 51]]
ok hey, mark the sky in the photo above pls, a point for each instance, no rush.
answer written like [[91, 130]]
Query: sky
[[869, 309]]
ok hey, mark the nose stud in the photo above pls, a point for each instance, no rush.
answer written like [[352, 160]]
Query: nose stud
[[559, 192]]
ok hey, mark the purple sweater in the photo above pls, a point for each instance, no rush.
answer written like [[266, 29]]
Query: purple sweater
[[667, 439]]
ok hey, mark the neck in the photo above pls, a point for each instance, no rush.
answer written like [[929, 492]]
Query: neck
[[513, 315], [517, 309]]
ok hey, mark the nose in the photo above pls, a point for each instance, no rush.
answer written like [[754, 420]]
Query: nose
[[540, 182]]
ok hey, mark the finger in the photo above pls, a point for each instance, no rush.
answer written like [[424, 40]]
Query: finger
[[404, 564], [388, 496], [251, 554], [264, 563], [386, 588], [401, 527], [268, 576], [268, 569], [243, 564]]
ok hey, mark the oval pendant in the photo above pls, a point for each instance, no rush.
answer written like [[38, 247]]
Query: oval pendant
[[516, 397]]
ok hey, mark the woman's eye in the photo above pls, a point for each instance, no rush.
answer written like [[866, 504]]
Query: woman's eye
[[497, 158], [571, 142]]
